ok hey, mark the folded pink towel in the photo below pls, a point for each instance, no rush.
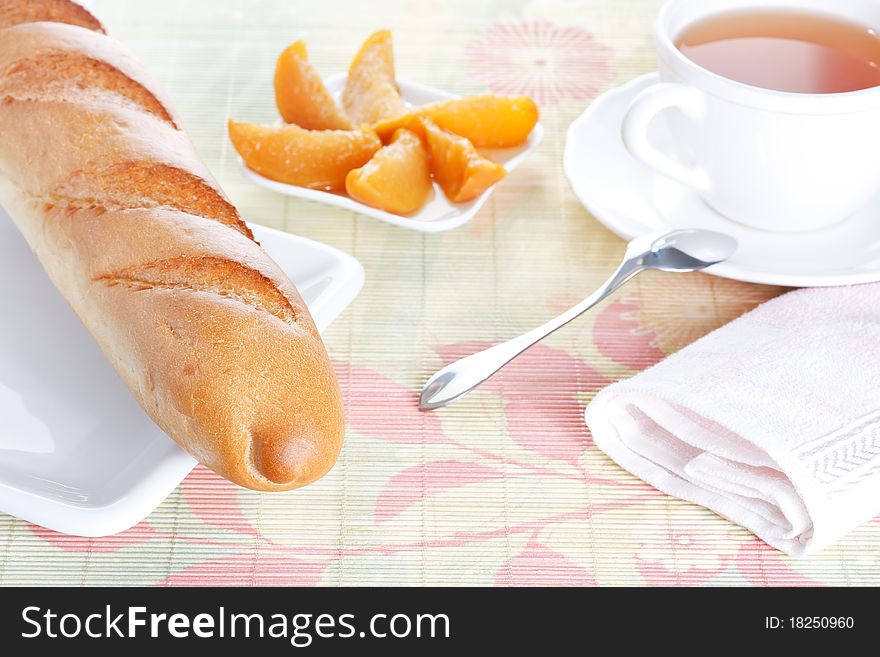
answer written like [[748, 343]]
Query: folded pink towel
[[772, 421]]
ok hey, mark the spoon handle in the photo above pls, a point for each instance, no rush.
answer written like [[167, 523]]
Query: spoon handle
[[462, 376]]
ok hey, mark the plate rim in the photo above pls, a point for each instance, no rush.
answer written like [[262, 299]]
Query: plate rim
[[608, 217], [136, 503], [469, 209]]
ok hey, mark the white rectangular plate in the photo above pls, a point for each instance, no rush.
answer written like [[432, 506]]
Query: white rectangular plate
[[77, 452], [438, 214]]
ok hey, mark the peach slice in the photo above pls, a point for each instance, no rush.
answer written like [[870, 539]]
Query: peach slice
[[301, 95], [397, 179], [319, 159], [487, 121], [462, 173], [371, 91]]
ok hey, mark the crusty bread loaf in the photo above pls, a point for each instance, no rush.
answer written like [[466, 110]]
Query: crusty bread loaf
[[210, 336]]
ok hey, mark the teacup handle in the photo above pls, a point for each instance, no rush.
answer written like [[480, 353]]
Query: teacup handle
[[643, 110]]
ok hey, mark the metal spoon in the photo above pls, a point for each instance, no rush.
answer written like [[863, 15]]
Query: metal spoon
[[677, 251]]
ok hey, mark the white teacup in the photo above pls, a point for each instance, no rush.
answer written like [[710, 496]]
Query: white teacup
[[769, 159]]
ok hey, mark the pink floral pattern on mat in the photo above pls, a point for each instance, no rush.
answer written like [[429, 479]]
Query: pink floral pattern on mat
[[419, 482], [545, 452], [540, 59], [538, 565], [619, 335], [277, 568]]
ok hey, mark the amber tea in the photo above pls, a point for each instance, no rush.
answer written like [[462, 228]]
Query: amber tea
[[786, 50]]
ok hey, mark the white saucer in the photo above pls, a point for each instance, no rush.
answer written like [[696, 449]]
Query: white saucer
[[77, 453], [630, 199], [438, 214]]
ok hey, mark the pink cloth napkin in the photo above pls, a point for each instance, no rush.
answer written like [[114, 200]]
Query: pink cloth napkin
[[772, 421]]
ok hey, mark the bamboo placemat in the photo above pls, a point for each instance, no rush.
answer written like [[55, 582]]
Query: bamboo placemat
[[505, 487]]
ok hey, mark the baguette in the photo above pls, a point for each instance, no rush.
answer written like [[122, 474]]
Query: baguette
[[203, 327]]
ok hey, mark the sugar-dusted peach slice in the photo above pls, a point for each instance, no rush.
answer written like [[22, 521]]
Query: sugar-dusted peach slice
[[371, 90], [487, 121], [301, 95], [462, 173], [397, 179], [319, 159]]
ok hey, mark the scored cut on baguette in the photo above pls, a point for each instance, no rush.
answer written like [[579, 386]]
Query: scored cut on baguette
[[208, 333]]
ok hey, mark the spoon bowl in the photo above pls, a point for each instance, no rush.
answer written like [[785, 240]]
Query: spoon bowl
[[689, 250]]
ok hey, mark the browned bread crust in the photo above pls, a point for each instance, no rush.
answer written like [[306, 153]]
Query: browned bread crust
[[15, 12], [205, 329]]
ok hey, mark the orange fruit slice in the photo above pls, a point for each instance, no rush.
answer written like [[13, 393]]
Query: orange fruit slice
[[462, 173], [301, 95], [487, 121], [397, 179], [319, 159], [371, 91]]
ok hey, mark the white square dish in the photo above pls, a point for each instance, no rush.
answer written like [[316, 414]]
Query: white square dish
[[77, 453], [438, 214]]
